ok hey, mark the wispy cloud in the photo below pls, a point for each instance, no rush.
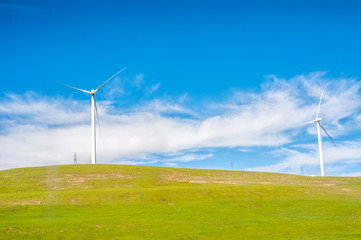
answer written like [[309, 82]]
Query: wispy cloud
[[48, 130], [34, 109], [355, 174], [291, 159], [124, 86], [153, 88], [188, 157], [138, 81]]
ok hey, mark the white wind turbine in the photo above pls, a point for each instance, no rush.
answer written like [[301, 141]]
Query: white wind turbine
[[93, 111], [319, 125]]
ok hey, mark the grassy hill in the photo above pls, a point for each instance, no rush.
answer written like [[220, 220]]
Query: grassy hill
[[133, 202]]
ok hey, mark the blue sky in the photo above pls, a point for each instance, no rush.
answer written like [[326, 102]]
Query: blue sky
[[208, 83]]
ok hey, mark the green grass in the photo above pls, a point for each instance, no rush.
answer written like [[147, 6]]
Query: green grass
[[133, 202]]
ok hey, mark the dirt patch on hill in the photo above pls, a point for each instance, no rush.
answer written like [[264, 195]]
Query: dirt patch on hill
[[235, 178], [346, 189], [229, 179], [82, 181]]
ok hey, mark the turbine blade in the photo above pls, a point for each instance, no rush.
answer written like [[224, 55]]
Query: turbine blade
[[308, 122], [74, 87], [319, 105], [109, 79], [96, 111], [327, 133]]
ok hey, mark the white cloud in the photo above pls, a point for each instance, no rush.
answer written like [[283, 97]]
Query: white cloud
[[124, 86], [355, 174], [35, 109], [48, 130], [165, 106], [172, 164], [189, 157], [291, 161], [153, 88], [243, 150], [138, 81], [346, 153]]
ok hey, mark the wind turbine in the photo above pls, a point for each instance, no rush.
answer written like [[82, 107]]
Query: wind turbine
[[93, 111], [319, 125]]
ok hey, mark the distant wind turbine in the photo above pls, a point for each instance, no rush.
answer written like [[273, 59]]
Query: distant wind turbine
[[319, 125], [93, 111]]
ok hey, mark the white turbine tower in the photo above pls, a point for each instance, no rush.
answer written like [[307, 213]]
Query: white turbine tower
[[93, 111], [319, 125]]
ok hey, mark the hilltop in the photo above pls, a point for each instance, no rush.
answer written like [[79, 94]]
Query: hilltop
[[135, 202]]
